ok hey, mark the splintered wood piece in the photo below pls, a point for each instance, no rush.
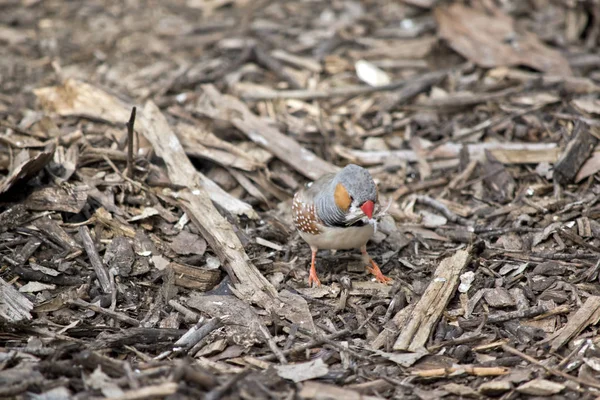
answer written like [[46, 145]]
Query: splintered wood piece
[[461, 370], [414, 334], [199, 142], [248, 282], [588, 314], [56, 233], [120, 256], [75, 98], [13, 217], [506, 153], [14, 306], [217, 105], [238, 315], [214, 228], [118, 227], [196, 278], [26, 167], [578, 150], [90, 249], [58, 198], [390, 332]]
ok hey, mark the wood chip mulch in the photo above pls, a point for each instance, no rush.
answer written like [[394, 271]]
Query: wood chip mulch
[[149, 152]]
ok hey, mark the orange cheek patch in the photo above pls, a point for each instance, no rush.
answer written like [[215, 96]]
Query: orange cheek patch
[[341, 197]]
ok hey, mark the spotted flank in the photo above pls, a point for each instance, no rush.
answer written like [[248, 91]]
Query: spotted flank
[[305, 216]]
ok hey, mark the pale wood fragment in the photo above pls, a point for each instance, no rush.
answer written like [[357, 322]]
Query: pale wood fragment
[[215, 229], [14, 306], [588, 314], [75, 98], [199, 142], [154, 391], [391, 329], [217, 105], [541, 387], [248, 283], [429, 308], [191, 277], [506, 153], [95, 260]]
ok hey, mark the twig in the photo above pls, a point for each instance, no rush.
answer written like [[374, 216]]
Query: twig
[[577, 239], [113, 314], [162, 390], [485, 231], [272, 344], [466, 369], [90, 249], [431, 202], [266, 60], [188, 314], [417, 187], [220, 391], [505, 316], [125, 177], [348, 91], [454, 342], [412, 89], [196, 342], [467, 99], [197, 332], [346, 286], [466, 132], [309, 345], [130, 144], [552, 371]]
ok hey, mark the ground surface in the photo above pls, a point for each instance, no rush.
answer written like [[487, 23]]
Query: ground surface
[[478, 121]]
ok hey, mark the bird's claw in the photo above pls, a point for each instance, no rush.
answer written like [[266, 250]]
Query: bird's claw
[[312, 278], [374, 269]]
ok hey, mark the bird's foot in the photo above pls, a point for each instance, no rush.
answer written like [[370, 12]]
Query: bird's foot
[[374, 269], [312, 278], [312, 275]]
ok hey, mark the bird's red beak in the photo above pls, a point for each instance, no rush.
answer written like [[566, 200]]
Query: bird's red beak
[[367, 208]]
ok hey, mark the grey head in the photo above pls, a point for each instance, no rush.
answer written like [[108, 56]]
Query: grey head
[[360, 188]]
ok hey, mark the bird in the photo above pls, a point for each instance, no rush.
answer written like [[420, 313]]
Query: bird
[[335, 212]]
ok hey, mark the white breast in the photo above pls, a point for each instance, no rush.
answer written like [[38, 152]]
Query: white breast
[[340, 238]]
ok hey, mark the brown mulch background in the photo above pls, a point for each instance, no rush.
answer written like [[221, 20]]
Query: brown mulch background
[[174, 271]]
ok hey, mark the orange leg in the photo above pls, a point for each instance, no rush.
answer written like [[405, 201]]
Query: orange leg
[[312, 276], [374, 268]]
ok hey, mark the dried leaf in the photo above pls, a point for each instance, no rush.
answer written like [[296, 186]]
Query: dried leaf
[[492, 40]]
